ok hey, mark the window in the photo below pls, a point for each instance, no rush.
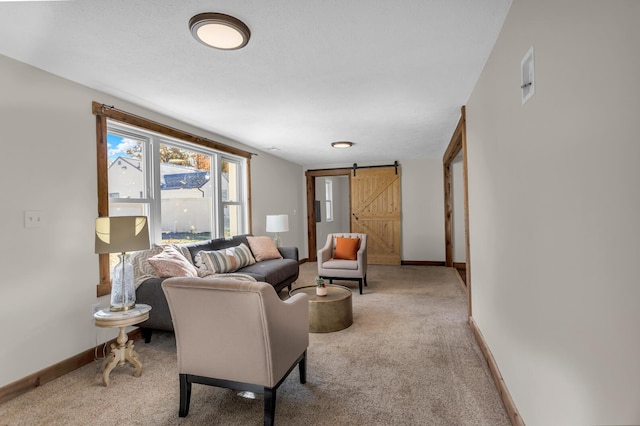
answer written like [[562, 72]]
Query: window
[[231, 196], [328, 186], [187, 201], [190, 188], [188, 192]]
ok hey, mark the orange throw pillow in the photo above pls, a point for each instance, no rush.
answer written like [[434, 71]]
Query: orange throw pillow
[[346, 248]]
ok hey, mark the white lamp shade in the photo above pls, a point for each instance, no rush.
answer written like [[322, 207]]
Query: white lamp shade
[[121, 234], [278, 223]]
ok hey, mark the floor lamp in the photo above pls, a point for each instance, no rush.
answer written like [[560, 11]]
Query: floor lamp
[[119, 235]]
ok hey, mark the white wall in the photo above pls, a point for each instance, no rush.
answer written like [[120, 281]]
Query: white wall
[[423, 210], [276, 189], [554, 204], [49, 274]]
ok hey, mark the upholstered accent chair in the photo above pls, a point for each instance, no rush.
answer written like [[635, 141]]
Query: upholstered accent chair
[[236, 334], [334, 264]]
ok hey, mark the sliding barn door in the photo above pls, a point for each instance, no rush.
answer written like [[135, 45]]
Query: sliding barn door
[[375, 211]]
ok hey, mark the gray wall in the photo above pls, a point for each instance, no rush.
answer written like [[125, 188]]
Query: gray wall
[[554, 202]]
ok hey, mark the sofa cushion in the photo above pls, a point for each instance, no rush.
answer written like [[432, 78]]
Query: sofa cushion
[[225, 260], [273, 271], [340, 264], [171, 263], [215, 244], [263, 248]]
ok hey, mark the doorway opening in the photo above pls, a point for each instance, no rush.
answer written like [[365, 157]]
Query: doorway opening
[[315, 208], [332, 207], [455, 173]]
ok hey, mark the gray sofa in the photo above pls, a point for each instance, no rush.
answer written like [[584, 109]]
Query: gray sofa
[[280, 273]]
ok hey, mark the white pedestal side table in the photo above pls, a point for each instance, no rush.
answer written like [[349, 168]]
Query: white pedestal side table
[[123, 352]]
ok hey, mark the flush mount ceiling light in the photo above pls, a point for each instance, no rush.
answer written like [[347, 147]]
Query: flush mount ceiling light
[[219, 30], [342, 144]]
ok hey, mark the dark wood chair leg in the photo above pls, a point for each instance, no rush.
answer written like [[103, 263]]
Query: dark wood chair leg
[[146, 333], [360, 285], [185, 395], [302, 368], [269, 406], [365, 281]]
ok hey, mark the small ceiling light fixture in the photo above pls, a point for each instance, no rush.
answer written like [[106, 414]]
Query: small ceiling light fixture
[[220, 31], [342, 144]]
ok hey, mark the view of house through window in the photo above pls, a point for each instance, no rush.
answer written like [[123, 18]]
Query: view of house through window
[[189, 192], [186, 194]]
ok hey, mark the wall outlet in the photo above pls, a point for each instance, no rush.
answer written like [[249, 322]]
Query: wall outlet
[[33, 218]]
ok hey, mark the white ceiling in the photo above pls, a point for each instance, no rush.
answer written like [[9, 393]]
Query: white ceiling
[[389, 75]]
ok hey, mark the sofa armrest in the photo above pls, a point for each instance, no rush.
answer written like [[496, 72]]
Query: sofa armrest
[[289, 252]]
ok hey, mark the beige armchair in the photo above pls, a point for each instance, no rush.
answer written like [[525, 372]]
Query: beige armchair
[[354, 270], [238, 335]]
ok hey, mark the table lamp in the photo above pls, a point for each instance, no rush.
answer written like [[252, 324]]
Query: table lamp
[[277, 223], [121, 234]]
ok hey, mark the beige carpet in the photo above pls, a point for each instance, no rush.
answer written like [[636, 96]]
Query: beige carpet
[[408, 359]]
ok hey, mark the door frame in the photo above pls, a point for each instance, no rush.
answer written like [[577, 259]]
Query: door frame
[[311, 176], [457, 144]]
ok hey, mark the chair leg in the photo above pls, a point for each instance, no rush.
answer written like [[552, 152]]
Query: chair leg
[[302, 368], [360, 285], [365, 281], [185, 395], [269, 406], [146, 333]]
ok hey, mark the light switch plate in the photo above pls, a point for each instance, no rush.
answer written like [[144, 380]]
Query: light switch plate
[[527, 77]]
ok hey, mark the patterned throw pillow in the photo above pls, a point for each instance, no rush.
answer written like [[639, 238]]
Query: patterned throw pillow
[[346, 248], [142, 269], [171, 263], [263, 248], [226, 260]]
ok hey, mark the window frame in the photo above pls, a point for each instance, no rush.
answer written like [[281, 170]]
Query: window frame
[[328, 196], [125, 119], [242, 190]]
